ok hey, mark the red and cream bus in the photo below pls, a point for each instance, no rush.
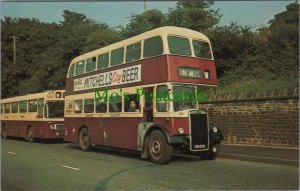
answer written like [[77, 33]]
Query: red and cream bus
[[39, 115], [140, 77]]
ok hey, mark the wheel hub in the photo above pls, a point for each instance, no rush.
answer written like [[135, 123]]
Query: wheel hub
[[155, 147]]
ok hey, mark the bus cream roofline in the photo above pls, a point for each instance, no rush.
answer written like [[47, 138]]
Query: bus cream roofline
[[32, 96], [162, 31]]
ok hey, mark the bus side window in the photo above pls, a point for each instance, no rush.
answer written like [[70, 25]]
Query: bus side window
[[78, 106], [101, 106], [23, 106], [133, 52], [179, 45], [115, 104], [79, 68], [161, 98], [117, 56], [131, 103], [7, 108], [40, 108], [71, 71], [90, 64], [103, 61], [153, 46], [89, 106], [14, 107], [33, 105], [2, 108]]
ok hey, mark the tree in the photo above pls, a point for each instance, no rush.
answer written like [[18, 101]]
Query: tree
[[144, 22], [195, 15], [284, 28]]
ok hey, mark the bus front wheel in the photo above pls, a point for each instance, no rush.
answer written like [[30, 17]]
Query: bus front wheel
[[159, 150], [84, 139]]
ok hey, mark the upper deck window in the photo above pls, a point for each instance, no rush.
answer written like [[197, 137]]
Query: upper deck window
[[103, 61], [133, 52], [71, 71], [201, 49], [117, 56], [79, 68], [179, 45], [90, 64], [153, 46]]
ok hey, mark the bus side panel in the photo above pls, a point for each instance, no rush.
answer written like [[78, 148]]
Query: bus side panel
[[15, 128], [40, 129], [173, 124], [121, 131]]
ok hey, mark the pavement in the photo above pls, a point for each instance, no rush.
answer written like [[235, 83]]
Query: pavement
[[288, 156]]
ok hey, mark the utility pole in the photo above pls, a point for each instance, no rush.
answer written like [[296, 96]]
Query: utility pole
[[145, 6], [14, 48]]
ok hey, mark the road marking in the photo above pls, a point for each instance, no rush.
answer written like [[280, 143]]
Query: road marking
[[73, 168], [11, 153]]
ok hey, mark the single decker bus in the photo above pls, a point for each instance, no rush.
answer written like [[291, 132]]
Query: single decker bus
[[39, 115], [143, 94]]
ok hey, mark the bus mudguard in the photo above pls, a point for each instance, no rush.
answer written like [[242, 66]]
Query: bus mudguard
[[144, 129]]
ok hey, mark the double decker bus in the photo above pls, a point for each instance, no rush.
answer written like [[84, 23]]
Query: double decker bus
[[39, 115], [142, 94]]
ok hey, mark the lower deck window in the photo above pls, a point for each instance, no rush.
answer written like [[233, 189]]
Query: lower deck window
[[78, 106], [89, 106], [115, 104]]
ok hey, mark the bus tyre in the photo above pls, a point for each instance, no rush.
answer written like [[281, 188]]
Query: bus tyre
[[84, 139], [159, 150], [3, 132], [213, 151], [29, 135]]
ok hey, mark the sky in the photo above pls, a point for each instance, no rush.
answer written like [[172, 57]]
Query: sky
[[114, 13]]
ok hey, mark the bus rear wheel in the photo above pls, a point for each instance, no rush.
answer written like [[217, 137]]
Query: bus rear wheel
[[29, 135], [84, 139], [158, 149]]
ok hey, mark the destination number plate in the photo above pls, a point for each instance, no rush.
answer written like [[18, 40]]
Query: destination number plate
[[189, 72]]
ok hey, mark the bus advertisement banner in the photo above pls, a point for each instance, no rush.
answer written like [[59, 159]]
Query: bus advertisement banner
[[116, 77]]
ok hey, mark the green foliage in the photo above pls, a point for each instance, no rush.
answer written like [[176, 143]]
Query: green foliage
[[195, 15], [45, 50], [144, 22]]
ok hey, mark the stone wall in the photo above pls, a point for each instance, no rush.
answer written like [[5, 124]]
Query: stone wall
[[268, 118]]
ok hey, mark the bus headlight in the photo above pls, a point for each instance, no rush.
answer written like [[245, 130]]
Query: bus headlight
[[180, 130]]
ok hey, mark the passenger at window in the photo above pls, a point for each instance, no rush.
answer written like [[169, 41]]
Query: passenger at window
[[132, 107]]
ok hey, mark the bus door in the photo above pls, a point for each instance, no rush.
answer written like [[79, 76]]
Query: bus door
[[148, 107]]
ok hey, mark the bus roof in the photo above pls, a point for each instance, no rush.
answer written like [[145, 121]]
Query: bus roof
[[35, 96], [161, 31]]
